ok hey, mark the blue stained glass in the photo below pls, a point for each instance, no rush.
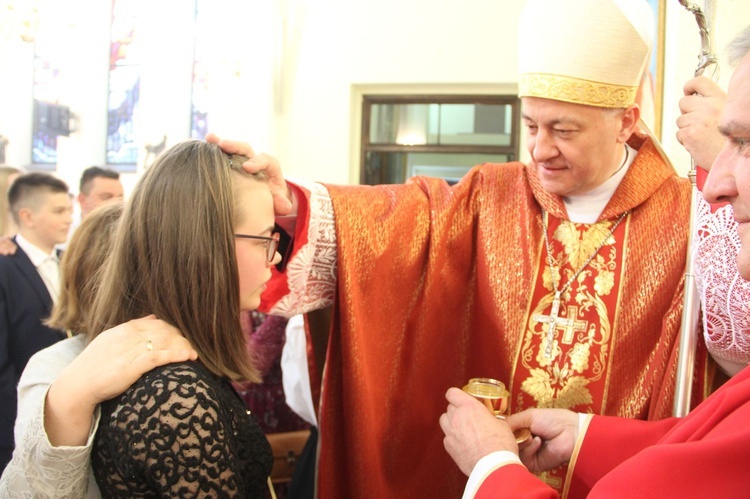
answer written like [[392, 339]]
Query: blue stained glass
[[47, 89], [199, 111], [124, 85], [199, 127], [43, 148], [121, 146]]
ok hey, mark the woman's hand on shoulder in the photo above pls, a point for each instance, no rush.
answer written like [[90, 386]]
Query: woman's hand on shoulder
[[116, 358], [7, 246], [106, 368]]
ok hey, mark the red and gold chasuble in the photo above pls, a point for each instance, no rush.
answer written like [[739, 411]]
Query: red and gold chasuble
[[438, 284]]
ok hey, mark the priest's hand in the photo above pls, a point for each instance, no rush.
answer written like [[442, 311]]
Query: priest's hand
[[471, 431], [555, 433], [283, 199], [698, 124]]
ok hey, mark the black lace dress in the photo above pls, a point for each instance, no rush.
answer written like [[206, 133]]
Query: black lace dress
[[180, 431]]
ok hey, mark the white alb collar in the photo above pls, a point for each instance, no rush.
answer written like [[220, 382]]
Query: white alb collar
[[586, 208]]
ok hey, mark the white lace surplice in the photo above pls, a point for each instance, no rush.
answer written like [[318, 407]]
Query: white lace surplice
[[725, 296], [311, 273]]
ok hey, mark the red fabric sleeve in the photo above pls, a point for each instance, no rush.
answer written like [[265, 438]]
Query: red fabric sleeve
[[704, 454], [513, 480], [607, 443], [278, 286], [703, 468]]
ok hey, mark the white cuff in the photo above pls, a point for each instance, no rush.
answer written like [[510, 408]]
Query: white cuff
[[485, 466]]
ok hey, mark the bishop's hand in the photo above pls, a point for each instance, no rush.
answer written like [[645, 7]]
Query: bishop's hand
[[555, 433], [282, 195]]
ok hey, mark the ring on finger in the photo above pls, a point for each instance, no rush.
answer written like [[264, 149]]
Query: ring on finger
[[149, 346]]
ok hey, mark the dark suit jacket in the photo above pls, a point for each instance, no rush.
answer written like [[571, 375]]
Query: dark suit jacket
[[24, 303]]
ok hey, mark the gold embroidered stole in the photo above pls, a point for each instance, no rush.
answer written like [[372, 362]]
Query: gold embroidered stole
[[575, 377]]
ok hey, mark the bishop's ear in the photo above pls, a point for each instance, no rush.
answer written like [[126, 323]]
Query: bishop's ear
[[629, 122]]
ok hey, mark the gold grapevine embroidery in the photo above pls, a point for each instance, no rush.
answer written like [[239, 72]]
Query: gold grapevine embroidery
[[579, 350]]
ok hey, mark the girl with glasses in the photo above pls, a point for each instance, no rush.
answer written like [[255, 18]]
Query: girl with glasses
[[181, 430]]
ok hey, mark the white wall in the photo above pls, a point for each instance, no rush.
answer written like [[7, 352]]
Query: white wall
[[343, 47], [16, 104], [349, 47], [292, 72]]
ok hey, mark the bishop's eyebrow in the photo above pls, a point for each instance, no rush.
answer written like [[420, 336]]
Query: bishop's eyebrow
[[557, 121]]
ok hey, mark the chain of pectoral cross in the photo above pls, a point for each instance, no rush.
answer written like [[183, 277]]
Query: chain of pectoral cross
[[553, 320]]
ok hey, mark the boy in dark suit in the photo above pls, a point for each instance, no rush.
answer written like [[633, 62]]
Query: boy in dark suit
[[29, 284]]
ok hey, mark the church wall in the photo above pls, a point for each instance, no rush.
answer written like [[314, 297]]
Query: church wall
[[241, 66], [340, 47], [450, 47], [291, 72]]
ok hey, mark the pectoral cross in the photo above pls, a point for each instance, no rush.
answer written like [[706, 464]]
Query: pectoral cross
[[573, 325], [553, 321]]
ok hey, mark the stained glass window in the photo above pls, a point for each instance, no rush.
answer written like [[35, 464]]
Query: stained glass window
[[47, 91], [199, 104], [124, 83]]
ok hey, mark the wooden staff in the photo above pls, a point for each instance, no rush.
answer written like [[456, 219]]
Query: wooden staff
[[690, 312]]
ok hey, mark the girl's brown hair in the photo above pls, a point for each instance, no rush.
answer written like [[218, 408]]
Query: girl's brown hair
[[174, 257]]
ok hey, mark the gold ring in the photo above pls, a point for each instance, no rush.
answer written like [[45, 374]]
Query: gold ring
[[149, 346]]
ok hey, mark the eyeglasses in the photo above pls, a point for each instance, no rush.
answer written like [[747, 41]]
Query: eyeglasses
[[271, 243]]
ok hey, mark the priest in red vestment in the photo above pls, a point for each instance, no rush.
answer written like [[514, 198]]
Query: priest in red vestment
[[703, 455], [562, 277]]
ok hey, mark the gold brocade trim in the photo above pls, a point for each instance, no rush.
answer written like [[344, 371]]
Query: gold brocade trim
[[616, 321], [576, 90], [579, 247], [574, 456], [529, 302]]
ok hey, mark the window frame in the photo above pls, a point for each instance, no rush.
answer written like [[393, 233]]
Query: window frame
[[368, 100]]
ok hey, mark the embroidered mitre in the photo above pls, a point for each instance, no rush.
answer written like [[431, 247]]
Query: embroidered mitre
[[598, 58]]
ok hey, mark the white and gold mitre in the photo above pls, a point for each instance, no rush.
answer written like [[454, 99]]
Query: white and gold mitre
[[589, 52]]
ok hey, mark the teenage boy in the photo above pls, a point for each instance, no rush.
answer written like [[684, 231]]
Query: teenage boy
[[29, 284]]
